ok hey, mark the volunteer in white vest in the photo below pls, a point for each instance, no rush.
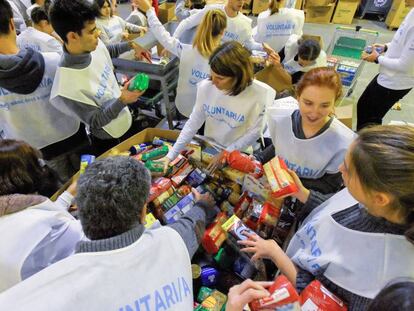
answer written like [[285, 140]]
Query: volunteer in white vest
[[85, 86], [396, 74], [194, 65], [230, 103], [40, 36], [39, 232], [301, 55], [362, 237], [113, 28], [34, 4], [275, 25], [182, 11], [239, 26], [308, 137], [18, 18], [26, 78], [136, 17], [124, 266]]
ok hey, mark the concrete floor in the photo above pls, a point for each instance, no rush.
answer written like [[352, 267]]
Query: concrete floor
[[368, 72]]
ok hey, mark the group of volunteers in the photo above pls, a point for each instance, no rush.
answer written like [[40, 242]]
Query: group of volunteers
[[59, 97]]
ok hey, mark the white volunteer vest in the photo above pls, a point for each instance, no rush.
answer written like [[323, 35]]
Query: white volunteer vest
[[154, 273], [112, 26], [291, 50], [313, 157], [25, 230], [276, 29], [94, 85], [238, 28], [360, 262], [31, 117], [229, 117], [38, 41], [193, 69]]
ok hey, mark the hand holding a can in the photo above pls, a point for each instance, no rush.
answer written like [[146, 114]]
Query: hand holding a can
[[206, 198], [248, 291], [129, 97]]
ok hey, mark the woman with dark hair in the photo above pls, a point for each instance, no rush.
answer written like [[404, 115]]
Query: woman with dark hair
[[39, 232], [362, 238], [300, 55], [113, 28], [398, 295], [230, 102]]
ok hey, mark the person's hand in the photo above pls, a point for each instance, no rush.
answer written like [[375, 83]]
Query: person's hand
[[217, 162], [166, 162], [370, 57], [206, 198], [140, 52], [274, 59], [143, 30], [165, 53], [246, 292], [303, 193], [143, 5], [378, 45], [72, 188], [268, 49], [260, 248], [129, 97], [125, 36]]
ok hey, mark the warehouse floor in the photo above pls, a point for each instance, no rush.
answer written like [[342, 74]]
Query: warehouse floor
[[369, 70]]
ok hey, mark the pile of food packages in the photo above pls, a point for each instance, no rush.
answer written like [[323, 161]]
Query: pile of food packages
[[248, 196]]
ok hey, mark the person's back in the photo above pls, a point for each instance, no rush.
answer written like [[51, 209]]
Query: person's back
[[26, 79], [39, 37], [39, 232], [123, 266], [275, 25]]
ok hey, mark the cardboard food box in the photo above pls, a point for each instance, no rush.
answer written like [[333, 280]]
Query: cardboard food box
[[166, 12], [259, 6], [316, 3], [319, 14], [397, 14], [345, 11], [344, 114], [144, 136]]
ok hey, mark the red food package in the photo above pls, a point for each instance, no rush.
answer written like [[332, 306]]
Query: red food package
[[241, 162], [243, 205], [280, 181], [281, 292], [315, 297], [214, 236], [158, 186], [270, 214]]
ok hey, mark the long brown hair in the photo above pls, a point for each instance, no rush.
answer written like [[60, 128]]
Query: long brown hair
[[274, 6], [383, 159], [323, 77], [207, 37], [231, 59], [21, 170]]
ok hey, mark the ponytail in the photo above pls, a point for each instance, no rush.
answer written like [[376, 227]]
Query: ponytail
[[207, 37], [274, 6]]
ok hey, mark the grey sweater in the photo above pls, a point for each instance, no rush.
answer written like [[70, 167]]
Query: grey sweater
[[94, 117], [190, 227]]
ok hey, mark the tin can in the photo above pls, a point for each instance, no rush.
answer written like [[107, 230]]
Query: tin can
[[209, 276], [139, 83]]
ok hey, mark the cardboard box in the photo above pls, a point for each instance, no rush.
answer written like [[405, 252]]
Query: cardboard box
[[345, 11], [144, 136], [317, 3], [166, 12], [344, 114], [259, 6], [319, 14], [397, 14]]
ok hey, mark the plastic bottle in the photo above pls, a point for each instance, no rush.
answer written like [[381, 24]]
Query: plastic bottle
[[139, 83]]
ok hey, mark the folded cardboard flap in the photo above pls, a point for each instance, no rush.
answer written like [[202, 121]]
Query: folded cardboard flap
[[344, 114], [144, 136]]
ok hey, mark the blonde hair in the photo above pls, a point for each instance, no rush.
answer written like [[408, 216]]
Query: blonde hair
[[274, 6], [207, 37]]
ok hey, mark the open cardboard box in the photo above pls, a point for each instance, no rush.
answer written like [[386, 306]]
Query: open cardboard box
[[144, 136]]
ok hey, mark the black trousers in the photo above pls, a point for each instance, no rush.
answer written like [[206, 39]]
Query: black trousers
[[375, 102]]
